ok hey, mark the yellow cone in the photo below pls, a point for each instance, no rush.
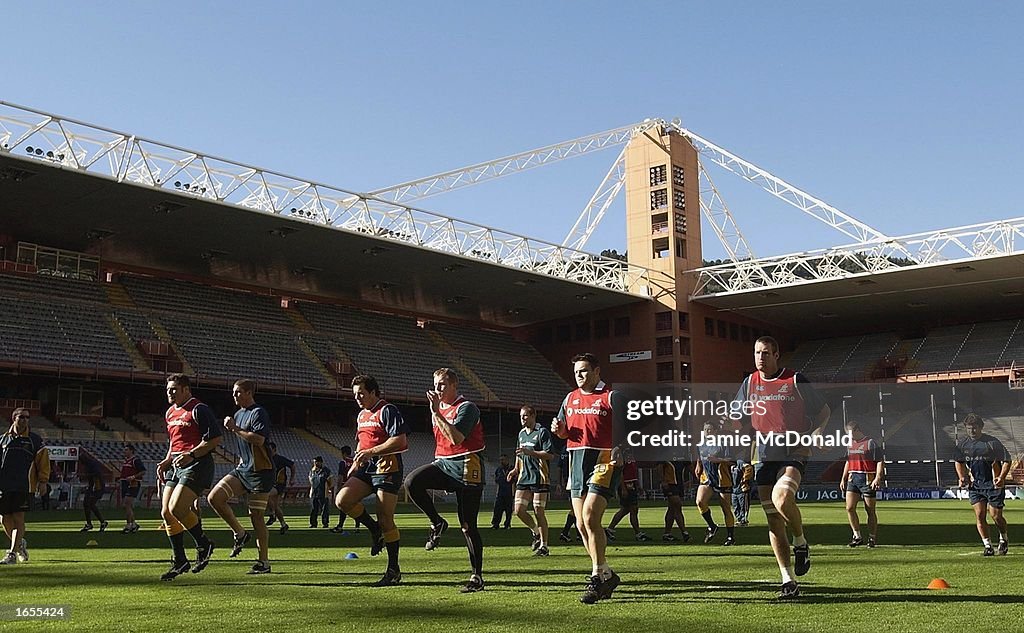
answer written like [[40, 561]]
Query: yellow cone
[[91, 544]]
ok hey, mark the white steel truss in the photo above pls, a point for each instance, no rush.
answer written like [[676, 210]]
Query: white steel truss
[[67, 144], [603, 197], [480, 172], [779, 188], [721, 221], [993, 239], [717, 213]]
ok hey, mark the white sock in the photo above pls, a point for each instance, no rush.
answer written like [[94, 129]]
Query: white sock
[[856, 534], [1002, 537], [787, 573], [986, 542], [800, 540], [605, 571]]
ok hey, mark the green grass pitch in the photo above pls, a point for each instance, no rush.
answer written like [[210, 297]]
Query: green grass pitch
[[114, 585]]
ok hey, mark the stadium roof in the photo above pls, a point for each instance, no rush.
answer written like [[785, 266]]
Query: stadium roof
[[147, 227], [979, 289], [60, 143]]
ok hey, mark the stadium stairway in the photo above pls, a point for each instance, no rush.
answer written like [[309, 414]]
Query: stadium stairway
[[317, 363], [339, 353], [461, 367], [139, 362], [165, 336], [300, 321], [316, 440], [908, 349], [118, 296]]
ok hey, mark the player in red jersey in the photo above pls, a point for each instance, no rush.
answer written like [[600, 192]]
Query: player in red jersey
[[376, 468], [585, 421], [862, 477], [187, 471], [457, 467], [782, 401], [629, 500], [132, 471], [673, 486]]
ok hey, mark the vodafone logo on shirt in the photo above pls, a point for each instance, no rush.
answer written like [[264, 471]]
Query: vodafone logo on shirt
[[586, 411]]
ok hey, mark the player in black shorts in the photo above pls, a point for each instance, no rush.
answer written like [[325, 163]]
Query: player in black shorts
[[672, 477], [24, 469], [284, 476], [982, 463], [185, 472], [629, 500], [714, 475], [532, 477], [862, 477], [132, 471], [344, 467], [253, 477], [90, 472], [781, 401], [376, 469], [457, 467]]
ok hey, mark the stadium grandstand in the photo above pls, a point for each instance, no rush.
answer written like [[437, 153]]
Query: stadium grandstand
[[123, 259]]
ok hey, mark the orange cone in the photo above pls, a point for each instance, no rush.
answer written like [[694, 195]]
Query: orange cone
[[938, 583]]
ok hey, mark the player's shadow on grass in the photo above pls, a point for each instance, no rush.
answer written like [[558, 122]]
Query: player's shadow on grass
[[699, 591], [687, 552], [838, 595], [959, 533], [443, 572], [43, 535]]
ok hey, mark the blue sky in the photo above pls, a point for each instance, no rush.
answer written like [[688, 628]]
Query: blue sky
[[906, 115]]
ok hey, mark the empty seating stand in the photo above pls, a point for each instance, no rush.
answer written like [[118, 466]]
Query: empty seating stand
[[865, 357], [45, 332], [224, 334], [829, 357], [226, 350], [514, 370], [194, 299], [984, 346], [940, 347]]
